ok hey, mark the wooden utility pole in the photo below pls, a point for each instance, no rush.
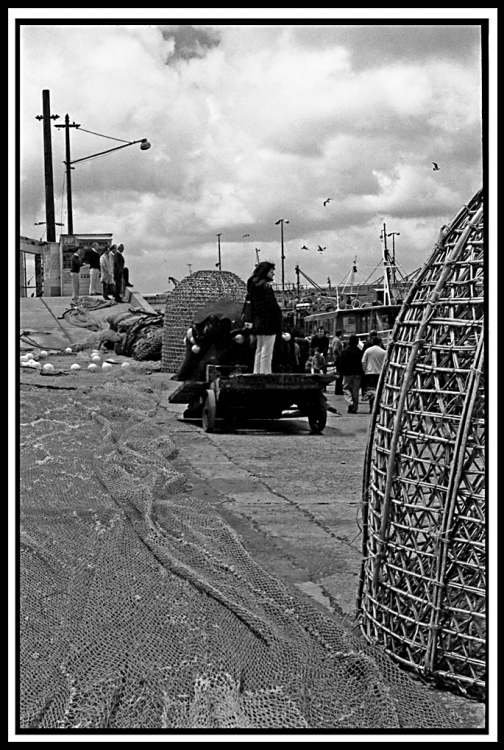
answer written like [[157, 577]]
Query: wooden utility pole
[[46, 117], [69, 168]]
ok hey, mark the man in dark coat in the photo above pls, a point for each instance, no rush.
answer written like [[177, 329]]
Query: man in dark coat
[[351, 369], [118, 261], [263, 315], [92, 257]]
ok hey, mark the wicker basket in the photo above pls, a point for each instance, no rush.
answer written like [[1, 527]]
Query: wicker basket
[[188, 297], [422, 589]]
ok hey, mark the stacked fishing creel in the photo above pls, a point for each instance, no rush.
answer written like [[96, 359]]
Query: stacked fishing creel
[[422, 591], [188, 297]]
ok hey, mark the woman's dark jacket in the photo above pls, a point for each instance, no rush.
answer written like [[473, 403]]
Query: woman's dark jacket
[[263, 312], [351, 361]]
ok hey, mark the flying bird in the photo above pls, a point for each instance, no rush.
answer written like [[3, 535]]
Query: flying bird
[[327, 201], [435, 168], [321, 249], [305, 248], [246, 235]]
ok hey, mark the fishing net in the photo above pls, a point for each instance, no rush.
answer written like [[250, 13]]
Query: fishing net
[[423, 579], [140, 608]]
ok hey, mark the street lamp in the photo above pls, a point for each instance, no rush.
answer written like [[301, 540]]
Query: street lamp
[[68, 163], [218, 246], [281, 222]]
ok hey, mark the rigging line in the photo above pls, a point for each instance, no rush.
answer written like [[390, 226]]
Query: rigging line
[[372, 272], [104, 136]]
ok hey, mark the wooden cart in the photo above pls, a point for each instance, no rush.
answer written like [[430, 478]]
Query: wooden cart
[[229, 396]]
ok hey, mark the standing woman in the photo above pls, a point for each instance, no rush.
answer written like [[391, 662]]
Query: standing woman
[[107, 277], [263, 315]]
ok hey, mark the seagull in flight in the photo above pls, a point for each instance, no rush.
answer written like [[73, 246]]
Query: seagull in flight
[[327, 201], [246, 235], [321, 249], [305, 248], [435, 168]]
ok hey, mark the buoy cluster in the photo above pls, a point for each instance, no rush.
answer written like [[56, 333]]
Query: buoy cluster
[[32, 360]]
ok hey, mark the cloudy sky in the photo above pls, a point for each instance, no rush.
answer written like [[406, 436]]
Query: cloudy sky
[[250, 123]]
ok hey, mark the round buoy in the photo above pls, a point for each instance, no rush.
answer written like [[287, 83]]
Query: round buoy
[[96, 359], [106, 366], [93, 368], [239, 338], [43, 354], [48, 368], [195, 349], [286, 336], [75, 366], [68, 350], [33, 363]]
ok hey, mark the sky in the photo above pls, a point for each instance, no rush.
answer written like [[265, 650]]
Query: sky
[[250, 123]]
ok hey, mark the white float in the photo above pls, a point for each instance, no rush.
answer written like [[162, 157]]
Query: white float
[[75, 366], [48, 368], [106, 366], [92, 368]]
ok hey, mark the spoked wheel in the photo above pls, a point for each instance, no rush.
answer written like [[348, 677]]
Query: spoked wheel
[[317, 415], [209, 412]]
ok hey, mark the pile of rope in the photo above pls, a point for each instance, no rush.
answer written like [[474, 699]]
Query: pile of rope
[[135, 334]]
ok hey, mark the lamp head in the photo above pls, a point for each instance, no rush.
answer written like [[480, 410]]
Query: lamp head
[[145, 145]]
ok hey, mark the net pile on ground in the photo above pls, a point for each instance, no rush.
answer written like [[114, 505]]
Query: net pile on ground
[[140, 608], [186, 300], [422, 590]]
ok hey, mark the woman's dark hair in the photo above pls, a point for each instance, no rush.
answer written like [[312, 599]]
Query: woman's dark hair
[[262, 269]]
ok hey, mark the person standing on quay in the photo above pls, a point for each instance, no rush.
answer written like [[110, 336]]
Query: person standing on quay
[[336, 349], [351, 369], [107, 278], [93, 258], [76, 263], [372, 364], [263, 315], [118, 262]]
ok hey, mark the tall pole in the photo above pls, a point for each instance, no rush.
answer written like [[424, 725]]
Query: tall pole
[[282, 256], [46, 117], [218, 246], [393, 235], [69, 168]]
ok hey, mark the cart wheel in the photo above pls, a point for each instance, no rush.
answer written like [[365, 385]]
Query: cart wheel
[[317, 415], [209, 412]]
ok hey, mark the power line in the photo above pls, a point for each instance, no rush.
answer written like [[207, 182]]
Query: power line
[[103, 136]]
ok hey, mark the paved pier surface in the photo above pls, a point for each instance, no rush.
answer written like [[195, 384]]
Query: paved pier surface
[[293, 497]]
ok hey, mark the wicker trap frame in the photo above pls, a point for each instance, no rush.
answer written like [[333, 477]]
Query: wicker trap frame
[[422, 590], [188, 297]]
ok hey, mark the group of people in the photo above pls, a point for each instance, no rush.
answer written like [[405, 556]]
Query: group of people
[[106, 268], [358, 365]]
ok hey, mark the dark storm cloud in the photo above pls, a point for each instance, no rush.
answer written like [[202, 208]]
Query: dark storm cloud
[[374, 44], [190, 41]]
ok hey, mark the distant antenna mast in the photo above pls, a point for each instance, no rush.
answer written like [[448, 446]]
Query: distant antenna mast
[[387, 268], [257, 251]]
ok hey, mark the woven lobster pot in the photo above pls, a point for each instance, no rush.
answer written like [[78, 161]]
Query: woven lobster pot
[[422, 585], [188, 297]]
